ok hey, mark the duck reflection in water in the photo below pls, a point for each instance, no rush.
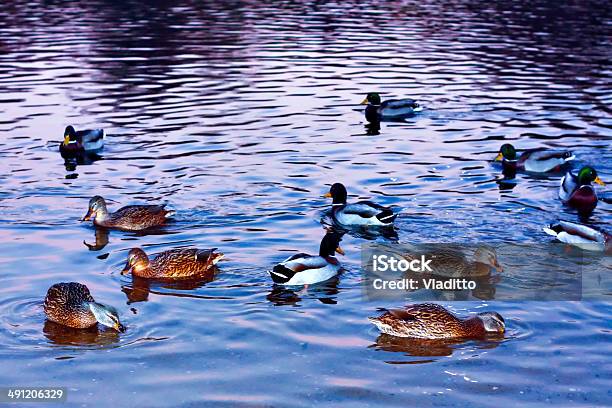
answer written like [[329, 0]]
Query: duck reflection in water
[[324, 292], [102, 235], [68, 336], [138, 290], [427, 347]]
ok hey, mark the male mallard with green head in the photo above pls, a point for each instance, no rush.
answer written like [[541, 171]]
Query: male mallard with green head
[[580, 235], [82, 141], [432, 321], [71, 304], [391, 109], [533, 160], [576, 189], [304, 269], [361, 213], [130, 218], [183, 263]]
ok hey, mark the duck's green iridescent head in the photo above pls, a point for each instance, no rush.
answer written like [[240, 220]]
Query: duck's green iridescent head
[[587, 175], [373, 98], [338, 193], [106, 315], [507, 151], [69, 134]]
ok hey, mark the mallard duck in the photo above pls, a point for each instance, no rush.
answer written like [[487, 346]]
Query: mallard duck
[[130, 218], [71, 304], [580, 235], [361, 213], [304, 269], [432, 321], [83, 141], [453, 263], [576, 189], [533, 160], [391, 109], [175, 264]]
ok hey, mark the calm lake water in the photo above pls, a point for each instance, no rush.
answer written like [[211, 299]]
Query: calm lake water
[[240, 115]]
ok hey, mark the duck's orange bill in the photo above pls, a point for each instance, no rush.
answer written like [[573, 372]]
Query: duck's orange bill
[[66, 140], [499, 157], [599, 181], [364, 102], [340, 251], [87, 216], [126, 269], [327, 195]]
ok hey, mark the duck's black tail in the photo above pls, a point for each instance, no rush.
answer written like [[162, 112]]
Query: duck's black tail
[[281, 274], [386, 216]]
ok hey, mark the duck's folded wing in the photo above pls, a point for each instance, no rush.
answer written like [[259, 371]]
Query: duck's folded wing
[[365, 209], [568, 185], [92, 139], [399, 104], [580, 232], [303, 262]]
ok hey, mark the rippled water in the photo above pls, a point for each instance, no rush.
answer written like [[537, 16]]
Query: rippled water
[[240, 115]]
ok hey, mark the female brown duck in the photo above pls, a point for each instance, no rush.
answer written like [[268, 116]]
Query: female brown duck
[[130, 218], [432, 321], [173, 264], [71, 304]]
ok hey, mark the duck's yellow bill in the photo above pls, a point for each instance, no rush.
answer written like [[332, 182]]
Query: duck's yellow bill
[[340, 251], [599, 181], [499, 157], [66, 140], [327, 195], [364, 102], [126, 269]]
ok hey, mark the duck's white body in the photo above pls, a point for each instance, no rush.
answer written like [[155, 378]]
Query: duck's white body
[[579, 235], [304, 269], [363, 213]]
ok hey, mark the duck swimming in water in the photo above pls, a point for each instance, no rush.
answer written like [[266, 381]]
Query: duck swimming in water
[[304, 269], [432, 321], [82, 141], [361, 213], [580, 235], [392, 109], [130, 218], [71, 304], [576, 189], [533, 160], [184, 263]]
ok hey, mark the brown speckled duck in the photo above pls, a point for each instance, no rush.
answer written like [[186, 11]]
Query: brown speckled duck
[[173, 264], [71, 304], [432, 321], [452, 263], [130, 218]]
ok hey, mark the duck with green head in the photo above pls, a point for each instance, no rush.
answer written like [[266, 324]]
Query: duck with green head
[[360, 213], [393, 109], [82, 141], [533, 160], [71, 304], [576, 189]]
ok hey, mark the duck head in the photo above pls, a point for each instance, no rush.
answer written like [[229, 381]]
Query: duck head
[[106, 315], [137, 261], [69, 135], [507, 152], [337, 193], [373, 98], [487, 256], [587, 175], [492, 322], [97, 209], [330, 245]]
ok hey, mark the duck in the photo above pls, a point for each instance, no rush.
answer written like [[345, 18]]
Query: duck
[[361, 213], [576, 189], [580, 235], [175, 264], [71, 304], [129, 218], [376, 110], [82, 141], [432, 321], [533, 160], [304, 269], [448, 262]]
